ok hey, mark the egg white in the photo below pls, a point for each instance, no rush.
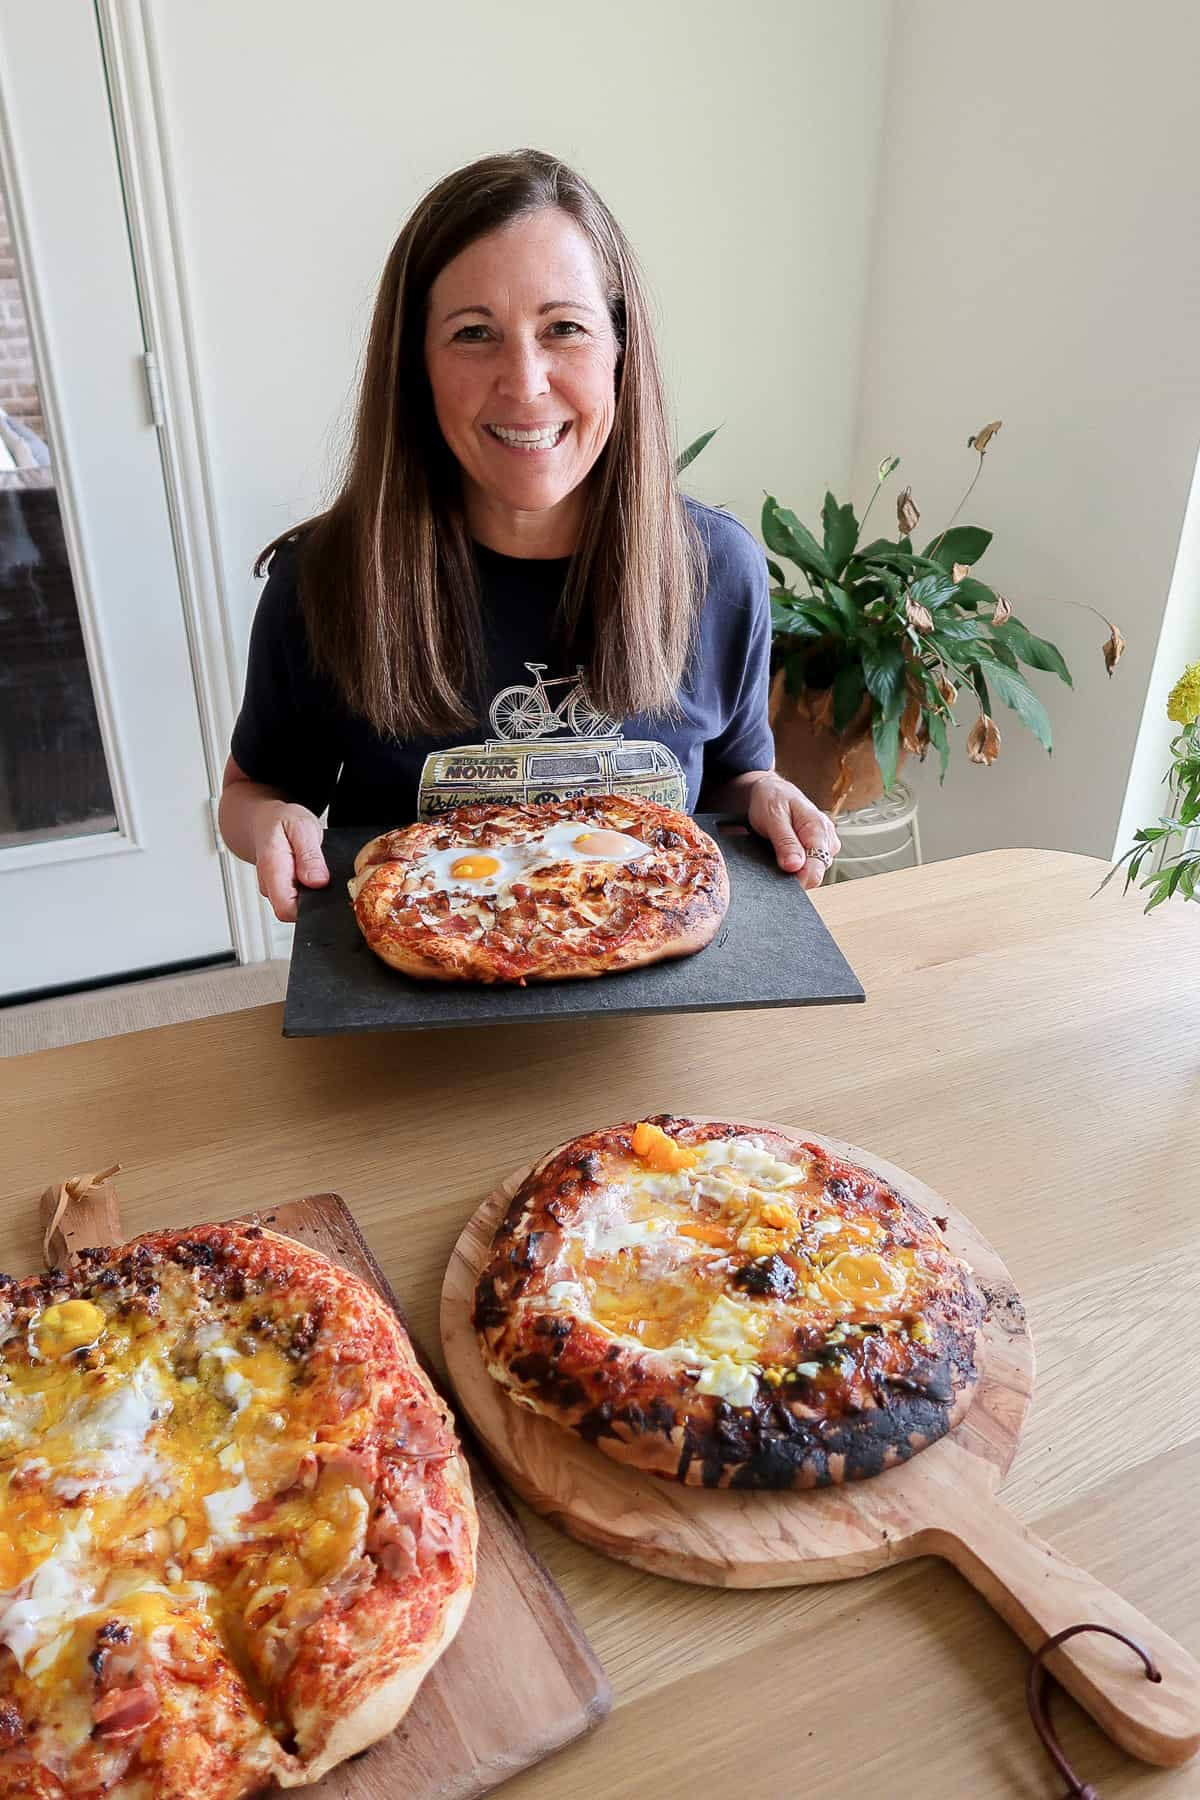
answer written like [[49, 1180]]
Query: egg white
[[438, 864], [557, 845]]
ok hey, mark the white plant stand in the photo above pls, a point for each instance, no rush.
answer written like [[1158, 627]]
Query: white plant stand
[[879, 837]]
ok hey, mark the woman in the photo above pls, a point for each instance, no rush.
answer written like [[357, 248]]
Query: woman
[[509, 554]]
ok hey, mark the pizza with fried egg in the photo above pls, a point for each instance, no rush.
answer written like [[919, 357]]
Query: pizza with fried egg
[[728, 1306], [540, 892], [236, 1528]]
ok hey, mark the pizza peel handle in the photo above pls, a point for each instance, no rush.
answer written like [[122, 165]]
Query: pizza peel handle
[[1039, 1593], [79, 1212]]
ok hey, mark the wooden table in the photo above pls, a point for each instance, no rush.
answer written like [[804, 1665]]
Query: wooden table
[[1030, 1051]]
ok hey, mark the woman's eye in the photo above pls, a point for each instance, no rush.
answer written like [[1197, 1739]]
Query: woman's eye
[[567, 327], [466, 334]]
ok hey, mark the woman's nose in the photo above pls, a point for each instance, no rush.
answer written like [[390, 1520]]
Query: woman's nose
[[523, 372]]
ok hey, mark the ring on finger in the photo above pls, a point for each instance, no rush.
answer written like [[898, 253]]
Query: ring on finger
[[820, 854]]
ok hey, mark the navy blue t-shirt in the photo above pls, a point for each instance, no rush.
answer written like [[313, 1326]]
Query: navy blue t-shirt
[[539, 737]]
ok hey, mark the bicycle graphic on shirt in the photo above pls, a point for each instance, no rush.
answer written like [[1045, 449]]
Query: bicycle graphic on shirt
[[526, 712]]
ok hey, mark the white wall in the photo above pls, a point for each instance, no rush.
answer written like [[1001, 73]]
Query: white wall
[[1037, 259], [739, 151]]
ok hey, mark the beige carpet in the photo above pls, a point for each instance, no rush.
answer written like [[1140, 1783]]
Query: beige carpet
[[137, 1005]]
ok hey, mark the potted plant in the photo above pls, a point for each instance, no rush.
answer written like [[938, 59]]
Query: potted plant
[[875, 646]]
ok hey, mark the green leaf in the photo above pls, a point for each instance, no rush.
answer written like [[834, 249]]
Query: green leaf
[[787, 621], [825, 621], [888, 467], [972, 594], [1034, 650], [961, 544], [1002, 653], [883, 673], [848, 691], [885, 555], [841, 533], [886, 733], [938, 738], [693, 450], [933, 591], [844, 606], [784, 534], [1016, 692], [960, 633], [776, 573]]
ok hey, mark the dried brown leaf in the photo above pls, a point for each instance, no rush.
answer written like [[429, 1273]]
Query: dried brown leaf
[[918, 616], [1003, 612], [1114, 646], [907, 515], [946, 688], [960, 571], [911, 725], [983, 744], [983, 438]]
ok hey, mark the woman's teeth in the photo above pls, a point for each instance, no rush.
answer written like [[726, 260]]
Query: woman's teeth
[[539, 437]]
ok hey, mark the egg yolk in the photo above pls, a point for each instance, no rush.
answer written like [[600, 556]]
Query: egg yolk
[[475, 868], [69, 1326], [601, 843], [660, 1152], [864, 1280]]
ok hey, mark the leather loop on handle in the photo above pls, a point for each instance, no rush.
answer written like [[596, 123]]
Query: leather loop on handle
[[1037, 1700], [1040, 1594], [81, 1210]]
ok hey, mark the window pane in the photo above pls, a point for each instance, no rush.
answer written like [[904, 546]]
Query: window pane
[[53, 777]]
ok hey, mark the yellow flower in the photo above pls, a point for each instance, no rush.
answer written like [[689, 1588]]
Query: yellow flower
[[1184, 704]]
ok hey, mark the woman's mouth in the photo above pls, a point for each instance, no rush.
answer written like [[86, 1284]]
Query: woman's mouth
[[529, 439]]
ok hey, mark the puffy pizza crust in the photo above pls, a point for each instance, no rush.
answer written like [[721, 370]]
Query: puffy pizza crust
[[637, 928], [893, 1396]]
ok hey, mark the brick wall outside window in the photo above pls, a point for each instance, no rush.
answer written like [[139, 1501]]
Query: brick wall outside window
[[18, 384]]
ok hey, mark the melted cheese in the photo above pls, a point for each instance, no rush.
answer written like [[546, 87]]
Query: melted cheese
[[135, 1446], [101, 1444], [733, 1381], [654, 1264], [41, 1608], [620, 1234]]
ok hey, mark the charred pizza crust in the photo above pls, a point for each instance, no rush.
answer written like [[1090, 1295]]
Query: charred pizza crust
[[261, 1527], [551, 922], [768, 1318]]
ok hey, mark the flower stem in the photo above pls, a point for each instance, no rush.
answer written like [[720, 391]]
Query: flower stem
[[934, 547], [870, 504]]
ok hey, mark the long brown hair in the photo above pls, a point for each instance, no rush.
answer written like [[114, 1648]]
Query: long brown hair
[[388, 585]]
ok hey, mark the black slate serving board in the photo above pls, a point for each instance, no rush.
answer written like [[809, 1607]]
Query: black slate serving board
[[772, 950]]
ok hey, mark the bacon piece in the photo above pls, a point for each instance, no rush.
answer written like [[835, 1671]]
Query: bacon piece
[[119, 1712]]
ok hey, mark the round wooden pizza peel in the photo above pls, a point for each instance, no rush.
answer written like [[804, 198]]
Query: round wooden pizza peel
[[942, 1503]]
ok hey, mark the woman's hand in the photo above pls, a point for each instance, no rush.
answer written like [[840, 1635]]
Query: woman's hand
[[281, 839], [287, 855], [803, 838]]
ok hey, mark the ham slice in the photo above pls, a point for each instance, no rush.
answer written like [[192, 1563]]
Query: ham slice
[[119, 1712]]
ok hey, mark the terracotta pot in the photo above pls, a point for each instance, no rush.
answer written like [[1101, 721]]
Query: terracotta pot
[[838, 770]]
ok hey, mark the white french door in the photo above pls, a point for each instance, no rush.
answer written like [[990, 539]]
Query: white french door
[[108, 858]]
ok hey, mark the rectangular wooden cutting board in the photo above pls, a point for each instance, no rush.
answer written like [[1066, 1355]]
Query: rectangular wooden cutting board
[[520, 1680], [773, 949]]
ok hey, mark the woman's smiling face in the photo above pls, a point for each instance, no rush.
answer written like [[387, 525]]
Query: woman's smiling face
[[522, 357]]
